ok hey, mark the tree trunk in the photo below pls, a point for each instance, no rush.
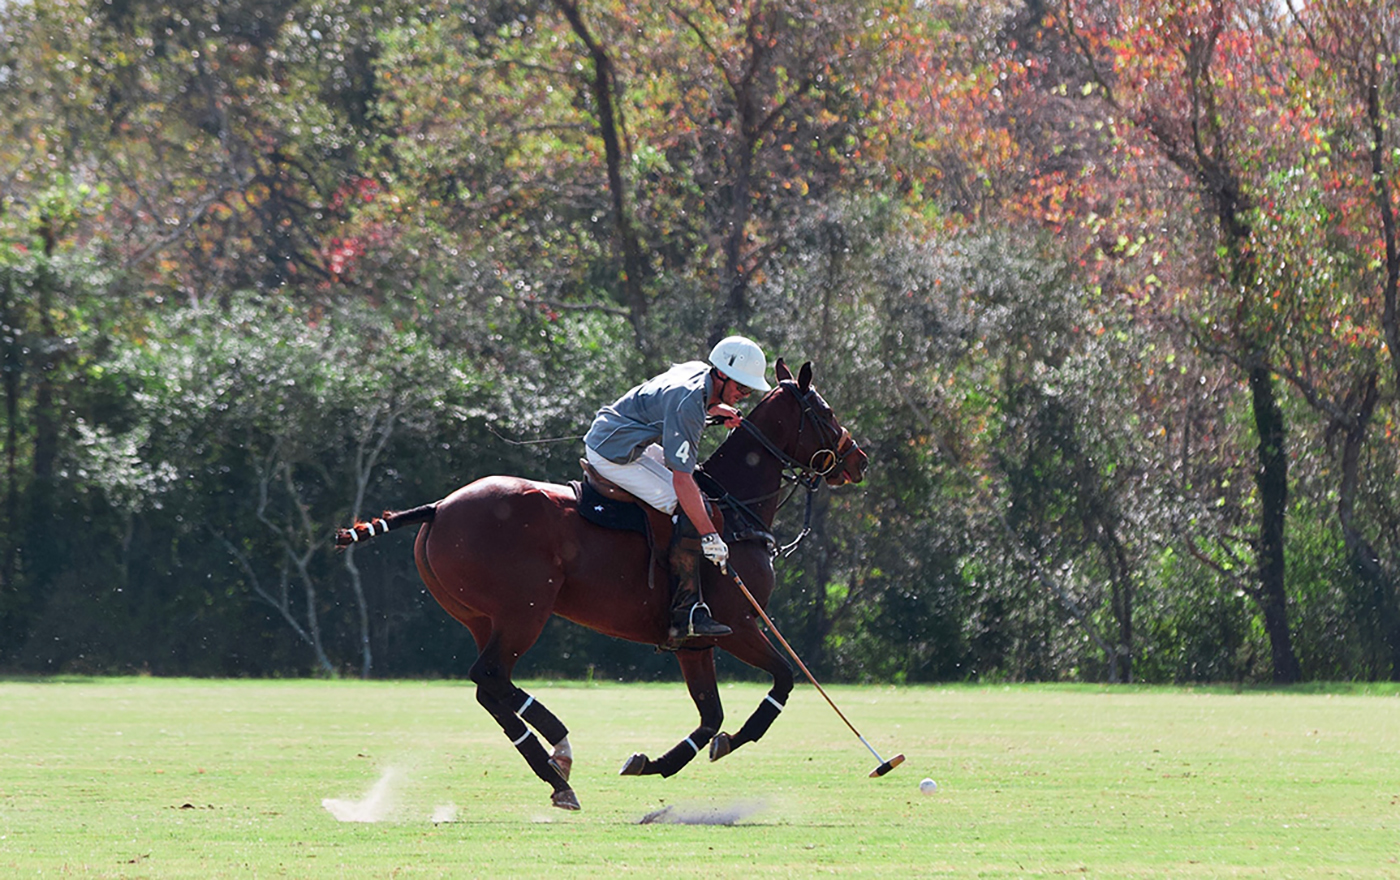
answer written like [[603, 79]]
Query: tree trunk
[[1121, 585], [362, 606], [734, 310], [1385, 207], [609, 127], [1364, 560], [9, 568], [40, 555], [1272, 480], [371, 445]]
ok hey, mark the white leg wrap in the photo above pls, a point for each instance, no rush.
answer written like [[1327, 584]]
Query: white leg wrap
[[776, 704], [690, 742], [524, 736], [525, 705]]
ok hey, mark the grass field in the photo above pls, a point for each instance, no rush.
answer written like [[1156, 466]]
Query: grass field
[[180, 778]]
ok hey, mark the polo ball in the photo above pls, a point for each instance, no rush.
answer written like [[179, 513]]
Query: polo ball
[[928, 786]]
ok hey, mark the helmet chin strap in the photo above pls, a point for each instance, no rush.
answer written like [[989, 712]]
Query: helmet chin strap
[[719, 396]]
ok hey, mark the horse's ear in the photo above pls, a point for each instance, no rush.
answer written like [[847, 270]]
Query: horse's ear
[[804, 377], [780, 369]]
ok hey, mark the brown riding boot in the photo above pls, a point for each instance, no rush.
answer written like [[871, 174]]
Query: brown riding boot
[[690, 616]]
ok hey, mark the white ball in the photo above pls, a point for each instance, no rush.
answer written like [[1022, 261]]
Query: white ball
[[928, 786]]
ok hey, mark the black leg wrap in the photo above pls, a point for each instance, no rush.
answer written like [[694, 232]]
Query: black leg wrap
[[523, 740], [538, 759], [538, 717], [758, 723], [683, 753], [510, 723]]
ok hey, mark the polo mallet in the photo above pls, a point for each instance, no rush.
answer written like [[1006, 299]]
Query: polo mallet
[[885, 766]]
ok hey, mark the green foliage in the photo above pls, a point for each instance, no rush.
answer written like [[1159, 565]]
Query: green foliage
[[268, 265]]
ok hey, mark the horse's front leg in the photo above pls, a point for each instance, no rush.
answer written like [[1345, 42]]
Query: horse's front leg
[[752, 646], [698, 667]]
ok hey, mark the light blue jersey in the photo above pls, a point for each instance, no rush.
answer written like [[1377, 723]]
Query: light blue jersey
[[668, 410]]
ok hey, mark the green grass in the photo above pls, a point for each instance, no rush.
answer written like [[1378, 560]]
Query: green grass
[[180, 778]]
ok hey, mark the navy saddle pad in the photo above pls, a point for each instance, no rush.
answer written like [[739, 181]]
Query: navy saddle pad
[[601, 510]]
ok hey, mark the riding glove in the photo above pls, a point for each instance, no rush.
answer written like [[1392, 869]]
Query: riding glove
[[714, 548]]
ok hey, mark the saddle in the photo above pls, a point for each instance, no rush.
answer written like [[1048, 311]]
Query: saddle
[[604, 503]]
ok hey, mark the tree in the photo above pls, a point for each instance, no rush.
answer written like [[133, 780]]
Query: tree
[[1347, 218], [56, 324], [309, 412], [1186, 76], [1281, 127], [699, 134]]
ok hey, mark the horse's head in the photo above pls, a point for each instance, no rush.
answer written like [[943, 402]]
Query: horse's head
[[796, 419]]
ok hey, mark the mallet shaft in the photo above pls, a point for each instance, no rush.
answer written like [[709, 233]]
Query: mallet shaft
[[767, 621]]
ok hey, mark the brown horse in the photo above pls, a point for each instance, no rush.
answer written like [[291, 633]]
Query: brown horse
[[503, 554]]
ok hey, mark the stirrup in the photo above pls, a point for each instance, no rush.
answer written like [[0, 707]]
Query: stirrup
[[699, 623]]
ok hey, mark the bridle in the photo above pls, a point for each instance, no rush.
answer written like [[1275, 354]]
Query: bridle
[[837, 446]]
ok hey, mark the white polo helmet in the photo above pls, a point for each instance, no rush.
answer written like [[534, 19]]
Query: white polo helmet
[[742, 360]]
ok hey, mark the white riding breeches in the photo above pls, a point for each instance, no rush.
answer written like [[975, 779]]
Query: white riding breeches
[[647, 477]]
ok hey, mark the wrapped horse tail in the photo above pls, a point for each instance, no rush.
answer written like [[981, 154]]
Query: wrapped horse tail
[[363, 531]]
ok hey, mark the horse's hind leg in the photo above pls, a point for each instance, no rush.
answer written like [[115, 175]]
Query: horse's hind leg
[[532, 711], [507, 704], [698, 667], [498, 648], [547, 725], [753, 648]]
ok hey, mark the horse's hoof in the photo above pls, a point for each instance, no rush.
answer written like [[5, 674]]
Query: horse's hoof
[[719, 746], [635, 765], [565, 800], [562, 763]]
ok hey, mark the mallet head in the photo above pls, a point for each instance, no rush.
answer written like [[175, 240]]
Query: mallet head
[[887, 766]]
